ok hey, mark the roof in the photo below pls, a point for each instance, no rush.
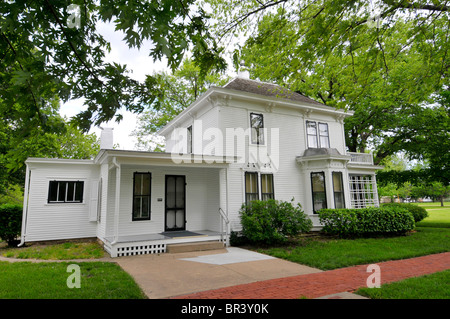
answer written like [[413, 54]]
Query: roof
[[268, 89]]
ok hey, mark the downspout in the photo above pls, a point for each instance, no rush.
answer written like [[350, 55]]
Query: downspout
[[25, 207], [117, 201]]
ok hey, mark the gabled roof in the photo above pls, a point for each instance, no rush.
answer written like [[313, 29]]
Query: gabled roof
[[268, 89]]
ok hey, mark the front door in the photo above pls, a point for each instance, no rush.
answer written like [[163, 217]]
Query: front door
[[175, 202]]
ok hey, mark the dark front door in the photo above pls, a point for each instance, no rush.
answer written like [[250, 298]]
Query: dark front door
[[175, 202]]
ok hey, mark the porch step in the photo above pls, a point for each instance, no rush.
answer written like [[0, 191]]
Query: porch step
[[198, 246]]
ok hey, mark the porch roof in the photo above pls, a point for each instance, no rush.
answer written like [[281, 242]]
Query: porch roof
[[163, 158]]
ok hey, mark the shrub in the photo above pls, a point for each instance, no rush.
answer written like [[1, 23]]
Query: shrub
[[273, 221], [419, 213], [366, 221], [10, 222]]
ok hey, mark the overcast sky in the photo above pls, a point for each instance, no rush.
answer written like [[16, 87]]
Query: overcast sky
[[136, 60]]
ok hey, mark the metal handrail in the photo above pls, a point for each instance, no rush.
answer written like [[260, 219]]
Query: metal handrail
[[224, 218]]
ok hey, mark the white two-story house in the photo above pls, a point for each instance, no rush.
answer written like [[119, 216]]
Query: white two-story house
[[245, 141]]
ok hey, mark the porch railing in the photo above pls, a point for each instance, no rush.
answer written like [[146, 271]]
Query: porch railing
[[224, 235], [361, 158]]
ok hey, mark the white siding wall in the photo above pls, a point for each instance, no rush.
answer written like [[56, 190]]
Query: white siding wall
[[51, 221], [291, 181], [202, 200]]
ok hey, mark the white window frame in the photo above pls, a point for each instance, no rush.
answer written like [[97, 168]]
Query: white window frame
[[317, 135], [363, 190]]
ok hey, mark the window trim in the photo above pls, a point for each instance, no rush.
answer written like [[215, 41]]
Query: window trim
[[342, 188], [259, 132], [65, 201], [149, 198], [324, 190]]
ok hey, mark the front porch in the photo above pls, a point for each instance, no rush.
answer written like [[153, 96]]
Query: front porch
[[147, 201], [158, 243]]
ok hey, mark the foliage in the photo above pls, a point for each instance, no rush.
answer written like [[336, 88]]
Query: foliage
[[48, 49], [23, 139], [392, 72], [176, 91], [366, 221], [273, 221], [10, 222], [419, 213]]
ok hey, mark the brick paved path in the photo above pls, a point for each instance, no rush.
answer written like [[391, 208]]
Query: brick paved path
[[328, 282]]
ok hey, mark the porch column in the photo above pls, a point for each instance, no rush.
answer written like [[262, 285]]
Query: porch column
[[117, 201], [223, 203]]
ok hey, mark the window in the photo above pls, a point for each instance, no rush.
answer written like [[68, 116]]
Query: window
[[323, 135], [141, 196], [317, 135], [267, 187], [338, 190], [251, 187], [65, 192], [318, 191], [363, 191], [311, 132], [257, 127], [189, 139]]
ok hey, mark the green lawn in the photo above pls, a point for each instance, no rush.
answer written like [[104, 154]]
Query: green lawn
[[431, 236], [64, 251], [434, 286], [48, 280]]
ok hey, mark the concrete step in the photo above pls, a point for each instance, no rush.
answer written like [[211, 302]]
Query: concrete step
[[196, 246]]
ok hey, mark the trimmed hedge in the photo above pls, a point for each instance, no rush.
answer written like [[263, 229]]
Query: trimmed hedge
[[273, 221], [10, 222], [419, 213], [365, 222]]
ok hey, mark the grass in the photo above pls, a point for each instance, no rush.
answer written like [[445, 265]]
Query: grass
[[48, 280], [64, 251], [327, 254], [434, 286], [431, 236]]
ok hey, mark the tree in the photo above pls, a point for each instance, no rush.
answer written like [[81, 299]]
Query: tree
[[176, 92], [53, 48], [387, 71], [22, 137]]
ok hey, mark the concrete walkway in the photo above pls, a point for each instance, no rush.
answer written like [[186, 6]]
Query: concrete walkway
[[168, 275], [330, 283]]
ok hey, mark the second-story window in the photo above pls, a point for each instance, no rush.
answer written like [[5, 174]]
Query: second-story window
[[257, 128], [317, 135], [311, 132]]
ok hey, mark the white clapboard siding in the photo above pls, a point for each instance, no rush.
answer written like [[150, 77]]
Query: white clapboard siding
[[52, 221]]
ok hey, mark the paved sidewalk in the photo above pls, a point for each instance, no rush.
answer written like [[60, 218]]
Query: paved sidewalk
[[328, 282]]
